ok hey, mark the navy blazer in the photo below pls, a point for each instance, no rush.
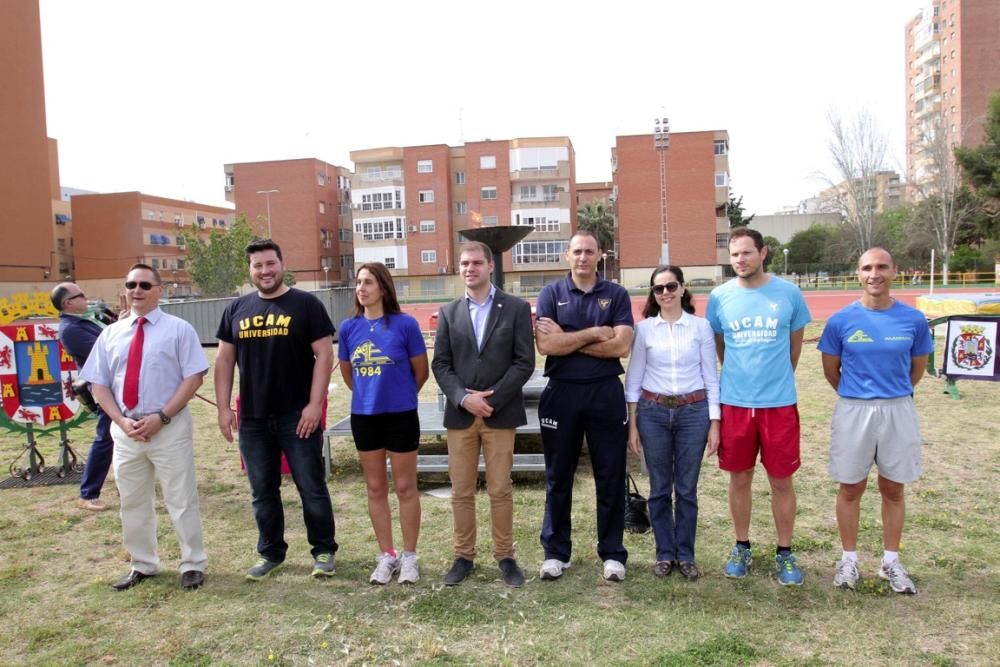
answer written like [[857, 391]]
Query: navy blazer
[[77, 335], [504, 364]]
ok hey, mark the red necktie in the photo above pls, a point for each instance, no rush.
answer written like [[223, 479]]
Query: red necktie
[[130, 393]]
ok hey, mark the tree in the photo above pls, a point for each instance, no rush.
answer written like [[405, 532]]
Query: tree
[[773, 250], [735, 213], [858, 150], [982, 164], [595, 217], [219, 265]]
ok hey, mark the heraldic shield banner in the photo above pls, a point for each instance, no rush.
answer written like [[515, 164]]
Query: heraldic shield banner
[[971, 349], [36, 375]]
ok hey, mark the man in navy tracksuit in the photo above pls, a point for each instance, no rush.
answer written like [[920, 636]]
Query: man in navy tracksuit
[[77, 334], [584, 328]]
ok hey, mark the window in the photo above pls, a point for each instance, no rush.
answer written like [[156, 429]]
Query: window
[[487, 161], [425, 166], [344, 234], [488, 192], [459, 178], [528, 193], [180, 263], [379, 229], [379, 201], [61, 244], [722, 240], [326, 238], [425, 196], [320, 179], [461, 208], [383, 173], [427, 225], [180, 241], [539, 222], [540, 252], [550, 192], [347, 261], [322, 207], [343, 208], [390, 262], [490, 221], [156, 263], [428, 256], [63, 268], [721, 179], [178, 219], [721, 147]]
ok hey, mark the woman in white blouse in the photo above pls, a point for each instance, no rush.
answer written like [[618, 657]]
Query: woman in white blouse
[[672, 390]]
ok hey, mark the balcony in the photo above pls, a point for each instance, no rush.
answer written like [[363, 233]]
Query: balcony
[[559, 200], [560, 171]]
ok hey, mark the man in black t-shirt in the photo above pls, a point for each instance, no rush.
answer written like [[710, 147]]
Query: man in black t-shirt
[[282, 340]]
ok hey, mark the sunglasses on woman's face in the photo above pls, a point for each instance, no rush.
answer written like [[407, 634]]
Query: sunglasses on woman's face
[[146, 286], [670, 287]]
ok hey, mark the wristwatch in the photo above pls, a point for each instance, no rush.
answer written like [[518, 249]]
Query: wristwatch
[[164, 419]]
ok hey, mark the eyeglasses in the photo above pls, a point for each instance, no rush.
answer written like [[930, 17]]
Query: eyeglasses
[[75, 296], [131, 284], [670, 287]]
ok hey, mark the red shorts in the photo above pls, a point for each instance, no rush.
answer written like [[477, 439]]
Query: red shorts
[[774, 432]]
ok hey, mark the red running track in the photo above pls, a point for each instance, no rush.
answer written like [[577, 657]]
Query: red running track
[[822, 304]]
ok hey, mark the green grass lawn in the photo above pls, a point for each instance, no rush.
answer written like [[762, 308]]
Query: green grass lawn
[[56, 564]]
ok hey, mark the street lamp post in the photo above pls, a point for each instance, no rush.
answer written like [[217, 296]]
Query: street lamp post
[[785, 251], [604, 265], [326, 275], [267, 195], [661, 142]]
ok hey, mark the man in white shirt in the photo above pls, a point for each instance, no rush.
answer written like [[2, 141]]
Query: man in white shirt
[[143, 371]]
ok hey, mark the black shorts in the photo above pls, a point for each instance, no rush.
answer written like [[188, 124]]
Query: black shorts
[[395, 431]]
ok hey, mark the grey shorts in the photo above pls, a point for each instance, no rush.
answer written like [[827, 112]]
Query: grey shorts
[[883, 431]]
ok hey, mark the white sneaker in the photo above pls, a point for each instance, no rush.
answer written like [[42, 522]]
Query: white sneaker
[[552, 569], [409, 573], [388, 565], [614, 571], [899, 579], [847, 574]]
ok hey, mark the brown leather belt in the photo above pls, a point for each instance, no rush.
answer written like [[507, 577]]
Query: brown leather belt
[[674, 401]]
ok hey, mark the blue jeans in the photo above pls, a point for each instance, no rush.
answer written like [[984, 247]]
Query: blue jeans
[[95, 470], [673, 441], [261, 443]]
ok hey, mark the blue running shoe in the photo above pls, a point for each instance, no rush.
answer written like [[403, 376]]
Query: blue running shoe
[[788, 572], [739, 563]]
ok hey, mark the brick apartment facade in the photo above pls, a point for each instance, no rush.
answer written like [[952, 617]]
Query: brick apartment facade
[[26, 225], [697, 194], [952, 68], [410, 203], [310, 214], [115, 230]]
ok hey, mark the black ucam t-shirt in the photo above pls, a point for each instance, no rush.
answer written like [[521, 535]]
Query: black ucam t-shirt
[[273, 340]]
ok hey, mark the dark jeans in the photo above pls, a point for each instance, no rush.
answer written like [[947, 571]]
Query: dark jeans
[[261, 443], [673, 442], [95, 470], [567, 411]]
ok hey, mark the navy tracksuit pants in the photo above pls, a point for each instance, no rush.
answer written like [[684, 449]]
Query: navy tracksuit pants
[[567, 412]]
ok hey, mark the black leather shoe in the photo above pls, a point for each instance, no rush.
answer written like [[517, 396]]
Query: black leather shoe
[[512, 574], [133, 578], [459, 572], [689, 570], [663, 568], [192, 579]]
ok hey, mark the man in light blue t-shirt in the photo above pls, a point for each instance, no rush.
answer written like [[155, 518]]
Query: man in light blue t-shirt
[[758, 321], [874, 353]]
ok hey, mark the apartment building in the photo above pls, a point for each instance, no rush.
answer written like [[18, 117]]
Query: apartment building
[[672, 198], [305, 206], [116, 230], [26, 225], [952, 68], [63, 266], [410, 203], [884, 189]]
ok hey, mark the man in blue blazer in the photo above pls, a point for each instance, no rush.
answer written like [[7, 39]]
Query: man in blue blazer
[[483, 355], [77, 334]]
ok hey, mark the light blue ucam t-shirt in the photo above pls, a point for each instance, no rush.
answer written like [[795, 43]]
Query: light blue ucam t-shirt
[[756, 325], [876, 348]]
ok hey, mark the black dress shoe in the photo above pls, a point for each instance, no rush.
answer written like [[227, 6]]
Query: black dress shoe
[[459, 572], [192, 579], [133, 578], [689, 570], [512, 574]]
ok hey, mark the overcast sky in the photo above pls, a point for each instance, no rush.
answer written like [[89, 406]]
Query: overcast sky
[[158, 96]]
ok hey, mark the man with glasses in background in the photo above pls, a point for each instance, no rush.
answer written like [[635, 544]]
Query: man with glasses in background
[[143, 371], [78, 333]]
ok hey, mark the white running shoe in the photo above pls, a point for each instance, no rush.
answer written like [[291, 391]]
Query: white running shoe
[[552, 569], [899, 579], [409, 573], [388, 565], [847, 574], [614, 571]]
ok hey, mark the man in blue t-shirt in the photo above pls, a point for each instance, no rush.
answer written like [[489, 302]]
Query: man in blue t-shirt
[[584, 328], [759, 320], [874, 353]]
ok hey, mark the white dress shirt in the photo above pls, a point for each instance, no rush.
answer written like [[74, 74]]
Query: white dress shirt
[[171, 352], [674, 359], [479, 312]]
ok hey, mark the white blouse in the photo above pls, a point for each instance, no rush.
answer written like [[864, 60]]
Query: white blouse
[[674, 359]]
